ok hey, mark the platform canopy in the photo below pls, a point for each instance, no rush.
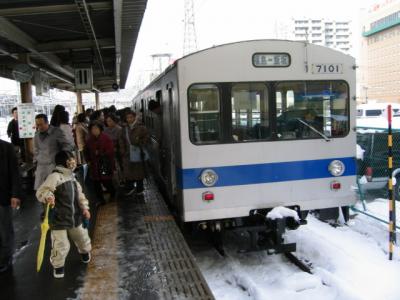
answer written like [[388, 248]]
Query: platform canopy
[[63, 35]]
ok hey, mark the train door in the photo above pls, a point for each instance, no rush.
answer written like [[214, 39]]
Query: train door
[[172, 134], [141, 111], [164, 139], [167, 157]]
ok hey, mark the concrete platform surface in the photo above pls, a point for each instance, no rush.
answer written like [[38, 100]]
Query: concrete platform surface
[[138, 253]]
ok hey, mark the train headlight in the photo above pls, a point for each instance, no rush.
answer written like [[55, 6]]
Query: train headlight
[[336, 168], [209, 177]]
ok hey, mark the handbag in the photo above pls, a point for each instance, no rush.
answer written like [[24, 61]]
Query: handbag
[[105, 168], [136, 153]]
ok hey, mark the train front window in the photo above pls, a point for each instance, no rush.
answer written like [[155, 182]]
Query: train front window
[[204, 113], [312, 109], [250, 112]]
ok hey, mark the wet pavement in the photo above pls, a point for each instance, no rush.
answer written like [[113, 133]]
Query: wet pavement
[[23, 282], [138, 253]]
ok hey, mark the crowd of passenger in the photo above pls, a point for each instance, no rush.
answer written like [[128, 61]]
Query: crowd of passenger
[[109, 143], [101, 139]]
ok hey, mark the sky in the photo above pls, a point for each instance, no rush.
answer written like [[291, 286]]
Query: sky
[[222, 21]]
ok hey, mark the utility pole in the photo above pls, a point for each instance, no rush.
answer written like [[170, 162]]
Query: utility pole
[[189, 38], [160, 62]]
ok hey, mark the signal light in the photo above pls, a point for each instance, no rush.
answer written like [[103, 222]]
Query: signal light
[[208, 196], [335, 185]]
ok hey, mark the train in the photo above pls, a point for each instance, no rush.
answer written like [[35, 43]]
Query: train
[[246, 130]]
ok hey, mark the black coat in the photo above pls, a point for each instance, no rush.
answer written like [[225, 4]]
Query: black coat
[[13, 133], [10, 178]]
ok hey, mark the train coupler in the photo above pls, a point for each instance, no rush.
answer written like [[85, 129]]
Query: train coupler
[[269, 235]]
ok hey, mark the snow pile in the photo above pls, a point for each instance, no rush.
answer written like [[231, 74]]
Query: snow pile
[[256, 275], [353, 264], [349, 263], [281, 212], [360, 152]]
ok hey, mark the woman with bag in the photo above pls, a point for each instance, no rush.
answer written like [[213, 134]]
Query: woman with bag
[[99, 153], [133, 140]]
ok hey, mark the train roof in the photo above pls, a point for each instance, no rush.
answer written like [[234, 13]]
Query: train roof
[[176, 62], [261, 40]]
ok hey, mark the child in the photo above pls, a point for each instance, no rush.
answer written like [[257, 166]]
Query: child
[[64, 194]]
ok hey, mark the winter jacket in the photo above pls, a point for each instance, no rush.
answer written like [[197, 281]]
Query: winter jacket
[[67, 129], [138, 136], [13, 133], [97, 149], [10, 180], [69, 198], [81, 134], [113, 133], [45, 146]]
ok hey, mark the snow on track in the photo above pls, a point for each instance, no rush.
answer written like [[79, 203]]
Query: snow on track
[[348, 262], [256, 275]]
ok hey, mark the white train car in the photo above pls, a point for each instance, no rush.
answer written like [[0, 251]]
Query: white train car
[[250, 126]]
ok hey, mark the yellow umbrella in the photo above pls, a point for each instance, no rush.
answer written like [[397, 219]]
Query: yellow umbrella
[[44, 227]]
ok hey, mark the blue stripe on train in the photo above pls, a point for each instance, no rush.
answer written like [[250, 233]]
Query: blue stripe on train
[[265, 173]]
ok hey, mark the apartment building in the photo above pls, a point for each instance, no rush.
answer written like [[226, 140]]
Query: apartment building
[[324, 32]]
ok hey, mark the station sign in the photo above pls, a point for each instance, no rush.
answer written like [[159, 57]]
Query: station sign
[[26, 120], [84, 79]]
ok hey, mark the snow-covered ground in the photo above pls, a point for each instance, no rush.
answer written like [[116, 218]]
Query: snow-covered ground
[[349, 263]]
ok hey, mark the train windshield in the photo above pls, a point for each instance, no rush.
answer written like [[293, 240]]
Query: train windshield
[[312, 109], [250, 111], [255, 111]]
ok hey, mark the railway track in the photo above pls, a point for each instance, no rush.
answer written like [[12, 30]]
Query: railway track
[[305, 267]]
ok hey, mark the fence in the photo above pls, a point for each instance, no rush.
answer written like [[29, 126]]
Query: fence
[[372, 169]]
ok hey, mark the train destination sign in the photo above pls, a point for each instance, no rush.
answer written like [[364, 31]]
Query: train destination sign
[[271, 60]]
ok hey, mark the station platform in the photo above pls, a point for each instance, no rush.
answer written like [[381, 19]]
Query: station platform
[[138, 253]]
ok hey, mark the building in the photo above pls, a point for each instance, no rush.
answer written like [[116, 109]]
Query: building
[[380, 53], [324, 32]]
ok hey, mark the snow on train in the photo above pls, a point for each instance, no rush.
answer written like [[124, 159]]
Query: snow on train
[[243, 128]]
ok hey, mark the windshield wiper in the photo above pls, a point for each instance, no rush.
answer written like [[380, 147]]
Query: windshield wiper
[[314, 129]]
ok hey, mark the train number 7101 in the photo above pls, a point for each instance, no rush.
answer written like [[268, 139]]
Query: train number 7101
[[327, 68]]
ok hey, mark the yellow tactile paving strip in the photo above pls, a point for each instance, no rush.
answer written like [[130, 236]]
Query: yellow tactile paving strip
[[101, 281]]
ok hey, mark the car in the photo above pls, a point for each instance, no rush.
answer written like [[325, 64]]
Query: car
[[373, 167], [376, 110]]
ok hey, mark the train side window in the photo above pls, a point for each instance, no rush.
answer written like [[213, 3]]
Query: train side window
[[373, 112], [250, 112], [204, 113]]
